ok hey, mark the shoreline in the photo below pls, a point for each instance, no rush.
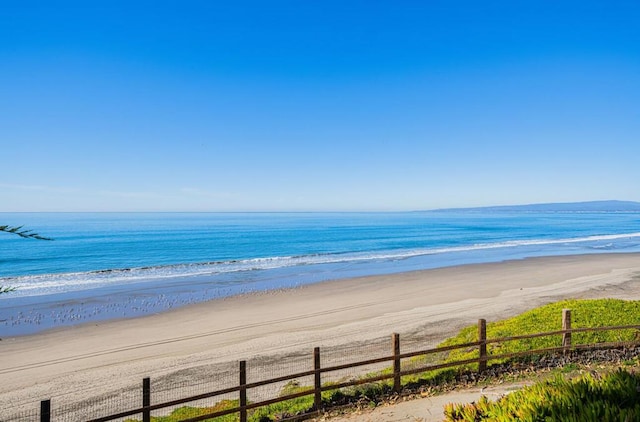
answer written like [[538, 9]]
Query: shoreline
[[339, 283], [190, 342], [34, 314]]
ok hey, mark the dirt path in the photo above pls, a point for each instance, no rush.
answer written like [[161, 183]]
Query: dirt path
[[427, 409]]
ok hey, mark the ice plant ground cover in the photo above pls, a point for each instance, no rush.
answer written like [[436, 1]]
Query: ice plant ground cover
[[613, 397]]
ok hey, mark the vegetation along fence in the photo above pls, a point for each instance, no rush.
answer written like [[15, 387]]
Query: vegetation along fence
[[394, 373]]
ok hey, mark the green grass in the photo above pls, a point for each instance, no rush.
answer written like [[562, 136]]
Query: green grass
[[187, 412], [290, 407], [584, 313]]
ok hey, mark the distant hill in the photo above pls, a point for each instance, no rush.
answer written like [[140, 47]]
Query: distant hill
[[591, 206]]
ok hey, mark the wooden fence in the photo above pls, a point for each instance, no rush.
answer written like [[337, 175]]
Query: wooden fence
[[395, 358]]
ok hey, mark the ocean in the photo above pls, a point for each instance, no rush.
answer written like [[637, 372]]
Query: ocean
[[117, 265]]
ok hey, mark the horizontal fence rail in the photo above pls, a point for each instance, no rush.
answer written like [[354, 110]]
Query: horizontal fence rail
[[395, 359]]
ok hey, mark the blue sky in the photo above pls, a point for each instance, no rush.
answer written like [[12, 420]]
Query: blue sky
[[317, 105]]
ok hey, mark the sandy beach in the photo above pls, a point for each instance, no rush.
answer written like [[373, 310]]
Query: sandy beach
[[187, 345]]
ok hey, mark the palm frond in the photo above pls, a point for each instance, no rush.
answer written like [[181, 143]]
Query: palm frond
[[27, 234]]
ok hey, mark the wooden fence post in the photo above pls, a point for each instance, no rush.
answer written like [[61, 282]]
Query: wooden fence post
[[482, 338], [243, 391], [397, 386], [317, 382], [146, 399], [45, 411], [566, 325]]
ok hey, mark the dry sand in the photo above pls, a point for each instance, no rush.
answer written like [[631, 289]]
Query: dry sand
[[94, 360]]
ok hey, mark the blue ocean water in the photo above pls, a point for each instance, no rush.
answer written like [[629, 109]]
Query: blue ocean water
[[108, 265]]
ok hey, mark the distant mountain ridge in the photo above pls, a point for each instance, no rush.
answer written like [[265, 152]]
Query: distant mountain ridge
[[590, 206]]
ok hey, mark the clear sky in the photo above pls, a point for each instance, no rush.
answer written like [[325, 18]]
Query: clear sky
[[317, 105]]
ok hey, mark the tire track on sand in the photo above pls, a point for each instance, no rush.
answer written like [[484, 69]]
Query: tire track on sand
[[187, 337]]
